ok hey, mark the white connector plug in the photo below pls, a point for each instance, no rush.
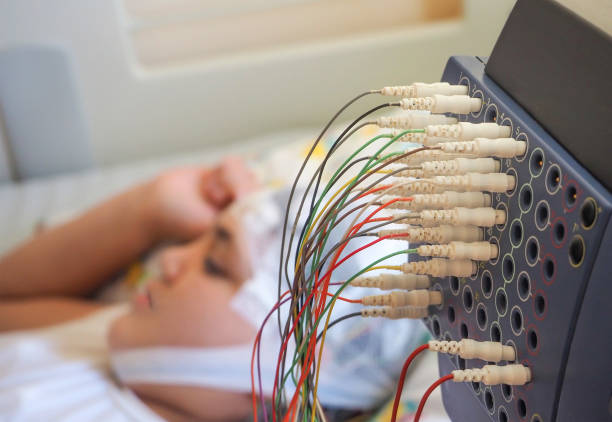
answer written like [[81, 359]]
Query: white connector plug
[[421, 89], [458, 104], [483, 147], [413, 120], [398, 298], [410, 312], [488, 182], [431, 155], [387, 281], [514, 374], [465, 131], [490, 351], [442, 267], [453, 167], [478, 251], [444, 200], [440, 234], [482, 217]]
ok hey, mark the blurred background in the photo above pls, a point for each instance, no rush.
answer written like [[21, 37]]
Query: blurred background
[[91, 89]]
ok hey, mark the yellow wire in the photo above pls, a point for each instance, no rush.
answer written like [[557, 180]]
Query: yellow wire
[[307, 235], [384, 267]]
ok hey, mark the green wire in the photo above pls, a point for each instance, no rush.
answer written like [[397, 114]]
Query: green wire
[[365, 168], [342, 287], [369, 165]]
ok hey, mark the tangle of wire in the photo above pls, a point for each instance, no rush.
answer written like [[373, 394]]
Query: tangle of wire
[[308, 294]]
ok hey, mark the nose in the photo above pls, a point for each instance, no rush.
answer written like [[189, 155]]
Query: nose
[[173, 262]]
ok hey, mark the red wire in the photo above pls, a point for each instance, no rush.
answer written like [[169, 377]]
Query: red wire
[[319, 308], [383, 187], [432, 387], [402, 378]]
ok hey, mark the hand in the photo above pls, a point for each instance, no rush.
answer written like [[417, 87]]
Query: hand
[[185, 202]]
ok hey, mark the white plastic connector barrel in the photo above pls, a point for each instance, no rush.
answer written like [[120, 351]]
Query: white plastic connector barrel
[[411, 312], [387, 281], [442, 267], [482, 217], [419, 298], [460, 166], [444, 200], [482, 147], [440, 234], [465, 131], [421, 89], [478, 251], [413, 120], [514, 374], [432, 155], [490, 351], [458, 104], [488, 182]]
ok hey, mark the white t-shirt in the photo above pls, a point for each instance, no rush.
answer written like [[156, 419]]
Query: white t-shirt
[[62, 373]]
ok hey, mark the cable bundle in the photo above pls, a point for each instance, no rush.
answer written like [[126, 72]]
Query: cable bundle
[[308, 261]]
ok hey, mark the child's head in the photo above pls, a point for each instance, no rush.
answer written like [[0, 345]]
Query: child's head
[[190, 301], [190, 304]]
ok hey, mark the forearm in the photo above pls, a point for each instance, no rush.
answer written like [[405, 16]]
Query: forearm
[[73, 259], [26, 314]]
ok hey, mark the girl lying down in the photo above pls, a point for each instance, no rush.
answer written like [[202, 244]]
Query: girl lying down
[[180, 349]]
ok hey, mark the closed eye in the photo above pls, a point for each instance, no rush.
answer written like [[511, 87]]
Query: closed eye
[[211, 267]]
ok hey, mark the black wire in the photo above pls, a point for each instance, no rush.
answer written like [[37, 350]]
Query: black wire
[[327, 156], [337, 320], [333, 148], [320, 172], [292, 192]]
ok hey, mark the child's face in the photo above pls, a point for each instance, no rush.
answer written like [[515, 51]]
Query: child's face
[[190, 304]]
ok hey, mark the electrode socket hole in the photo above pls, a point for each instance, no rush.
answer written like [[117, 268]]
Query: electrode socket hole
[[553, 181], [571, 194], [476, 387], [506, 391], [501, 302], [488, 399], [516, 233], [468, 299], [542, 215], [516, 320], [503, 416], [540, 305], [435, 326], [532, 339], [559, 232], [451, 314], [481, 317], [491, 115], [454, 284], [460, 363], [487, 284], [523, 285], [521, 408], [576, 251], [495, 332], [526, 198], [549, 268], [532, 251], [536, 162], [508, 268], [588, 213]]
